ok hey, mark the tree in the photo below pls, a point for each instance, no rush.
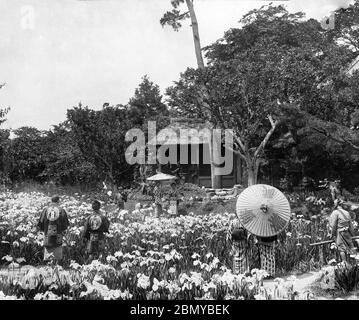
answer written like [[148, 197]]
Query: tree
[[4, 144], [174, 17], [346, 26], [26, 156], [234, 103], [329, 137], [257, 74], [343, 127], [64, 162], [4, 111], [100, 137], [95, 139], [146, 105]]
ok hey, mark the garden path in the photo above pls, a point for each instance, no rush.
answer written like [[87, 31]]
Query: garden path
[[303, 282]]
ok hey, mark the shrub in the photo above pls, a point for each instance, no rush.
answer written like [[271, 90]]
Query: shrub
[[347, 277], [207, 207], [184, 208], [356, 191]]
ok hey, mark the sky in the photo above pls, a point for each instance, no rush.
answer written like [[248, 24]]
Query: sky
[[56, 53]]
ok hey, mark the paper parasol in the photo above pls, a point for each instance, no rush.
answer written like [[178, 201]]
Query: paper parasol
[[263, 210], [161, 177]]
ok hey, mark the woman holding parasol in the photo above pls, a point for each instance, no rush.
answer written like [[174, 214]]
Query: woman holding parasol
[[239, 238], [264, 211]]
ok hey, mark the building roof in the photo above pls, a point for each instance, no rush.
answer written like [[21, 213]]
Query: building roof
[[183, 131]]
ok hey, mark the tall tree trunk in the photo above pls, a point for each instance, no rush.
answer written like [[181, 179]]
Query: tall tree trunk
[[195, 31], [252, 170], [252, 179], [253, 161], [215, 179]]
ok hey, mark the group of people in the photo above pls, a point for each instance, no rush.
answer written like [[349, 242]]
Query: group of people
[[340, 229], [53, 222], [242, 241]]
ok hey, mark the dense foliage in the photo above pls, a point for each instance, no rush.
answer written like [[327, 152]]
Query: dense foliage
[[277, 82], [88, 148]]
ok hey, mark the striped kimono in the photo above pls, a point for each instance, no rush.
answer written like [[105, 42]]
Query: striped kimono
[[267, 248], [238, 236]]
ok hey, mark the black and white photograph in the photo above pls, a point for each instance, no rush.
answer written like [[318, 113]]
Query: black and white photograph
[[179, 150]]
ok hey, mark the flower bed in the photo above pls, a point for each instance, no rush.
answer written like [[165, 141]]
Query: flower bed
[[146, 257]]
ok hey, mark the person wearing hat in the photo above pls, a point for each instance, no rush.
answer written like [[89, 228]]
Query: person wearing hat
[[341, 226], [94, 232], [239, 238], [264, 211], [53, 222]]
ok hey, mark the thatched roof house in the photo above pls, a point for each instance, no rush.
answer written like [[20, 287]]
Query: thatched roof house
[[191, 135]]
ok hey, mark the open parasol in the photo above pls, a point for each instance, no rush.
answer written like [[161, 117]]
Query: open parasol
[[263, 210], [161, 177]]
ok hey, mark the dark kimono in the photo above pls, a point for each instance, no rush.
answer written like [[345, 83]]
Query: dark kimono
[[95, 227], [53, 222]]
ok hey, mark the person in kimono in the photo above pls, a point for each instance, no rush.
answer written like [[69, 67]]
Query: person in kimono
[[239, 238], [53, 222], [267, 250], [341, 226], [96, 225]]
